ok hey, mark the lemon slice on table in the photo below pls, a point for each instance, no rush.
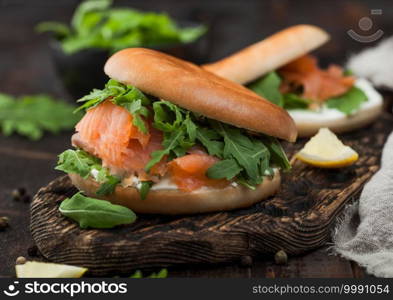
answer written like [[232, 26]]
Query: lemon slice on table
[[35, 269], [325, 150]]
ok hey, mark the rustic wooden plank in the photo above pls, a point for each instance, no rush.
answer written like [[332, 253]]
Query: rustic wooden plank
[[298, 219]]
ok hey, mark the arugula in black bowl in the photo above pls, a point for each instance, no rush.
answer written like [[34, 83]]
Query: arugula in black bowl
[[97, 30]]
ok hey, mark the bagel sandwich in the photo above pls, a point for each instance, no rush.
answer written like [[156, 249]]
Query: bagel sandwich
[[165, 136], [280, 69]]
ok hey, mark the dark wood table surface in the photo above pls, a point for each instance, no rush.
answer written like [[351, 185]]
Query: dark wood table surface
[[26, 68], [30, 165]]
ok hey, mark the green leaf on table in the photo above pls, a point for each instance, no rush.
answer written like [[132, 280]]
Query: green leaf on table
[[31, 116], [94, 213], [348, 102]]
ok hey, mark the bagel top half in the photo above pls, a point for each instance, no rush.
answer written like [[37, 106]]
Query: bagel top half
[[193, 88]]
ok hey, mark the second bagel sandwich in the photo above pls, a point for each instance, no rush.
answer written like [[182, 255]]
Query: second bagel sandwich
[[280, 69]]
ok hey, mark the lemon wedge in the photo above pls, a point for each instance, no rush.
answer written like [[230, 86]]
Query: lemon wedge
[[35, 269], [325, 150]]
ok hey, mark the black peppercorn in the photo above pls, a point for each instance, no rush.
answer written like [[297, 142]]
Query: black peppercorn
[[246, 261], [17, 194], [3, 222]]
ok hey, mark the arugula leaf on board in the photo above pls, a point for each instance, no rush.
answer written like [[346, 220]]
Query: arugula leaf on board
[[348, 102], [94, 213], [268, 87], [84, 164], [31, 116], [95, 24]]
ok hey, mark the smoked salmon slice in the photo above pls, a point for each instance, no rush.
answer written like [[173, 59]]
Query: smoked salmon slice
[[317, 84], [110, 135], [189, 172], [107, 132]]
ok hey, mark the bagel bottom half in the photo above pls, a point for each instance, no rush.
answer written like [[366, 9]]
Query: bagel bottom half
[[342, 124], [172, 202], [308, 122]]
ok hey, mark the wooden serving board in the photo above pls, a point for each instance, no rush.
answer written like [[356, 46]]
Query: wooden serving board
[[298, 219]]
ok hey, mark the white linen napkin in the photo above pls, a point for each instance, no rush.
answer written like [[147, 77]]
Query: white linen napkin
[[365, 234], [375, 64]]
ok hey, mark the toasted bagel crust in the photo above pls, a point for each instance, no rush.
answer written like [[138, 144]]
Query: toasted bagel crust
[[173, 202], [269, 54], [200, 91]]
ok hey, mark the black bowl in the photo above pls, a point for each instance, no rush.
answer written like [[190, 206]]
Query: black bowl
[[82, 71]]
